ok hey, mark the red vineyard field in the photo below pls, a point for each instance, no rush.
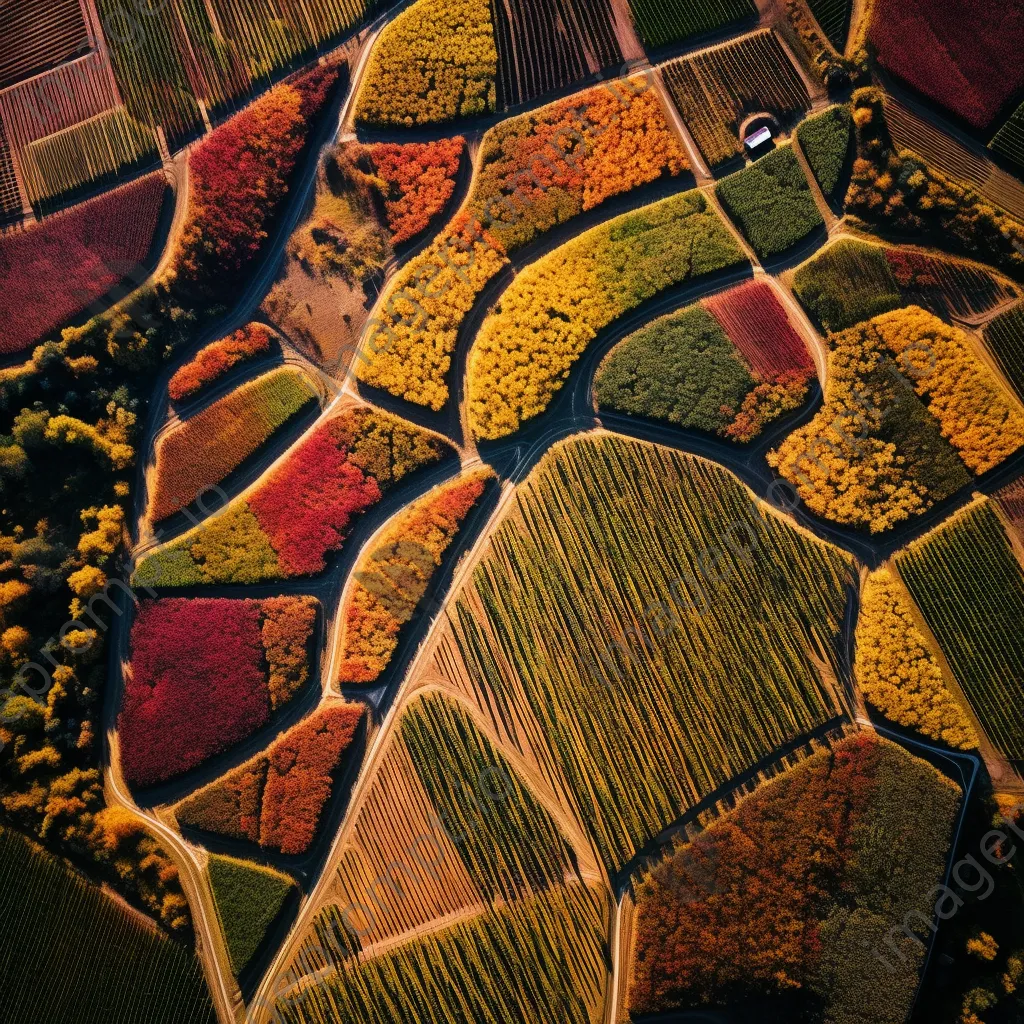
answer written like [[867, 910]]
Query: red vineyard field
[[305, 508], [200, 680], [239, 174], [755, 322], [963, 54], [758, 326], [54, 271]]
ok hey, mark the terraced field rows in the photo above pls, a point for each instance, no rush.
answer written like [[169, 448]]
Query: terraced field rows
[[714, 90], [502, 967], [603, 530]]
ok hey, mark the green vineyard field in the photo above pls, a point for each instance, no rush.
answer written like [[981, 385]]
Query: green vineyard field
[[1005, 338], [92, 960], [968, 583], [661, 624], [660, 22]]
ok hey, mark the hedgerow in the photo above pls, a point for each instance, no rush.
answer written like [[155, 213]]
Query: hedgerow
[[207, 447], [199, 679], [434, 62], [214, 360], [276, 798], [390, 580], [238, 178], [752, 911], [897, 671], [898, 191], [303, 509], [874, 454], [772, 202], [248, 898], [556, 306], [825, 140], [536, 170]]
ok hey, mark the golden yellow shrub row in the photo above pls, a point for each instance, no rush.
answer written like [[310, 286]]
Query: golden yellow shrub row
[[897, 672], [434, 62], [556, 306], [409, 346]]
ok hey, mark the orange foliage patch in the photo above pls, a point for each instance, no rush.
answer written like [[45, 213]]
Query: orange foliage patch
[[391, 580], [216, 359], [777, 895], [276, 798], [418, 179]]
